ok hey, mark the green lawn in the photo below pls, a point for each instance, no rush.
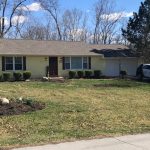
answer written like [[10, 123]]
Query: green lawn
[[76, 109]]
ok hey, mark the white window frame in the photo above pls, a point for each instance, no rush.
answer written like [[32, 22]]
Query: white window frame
[[14, 63], [82, 63]]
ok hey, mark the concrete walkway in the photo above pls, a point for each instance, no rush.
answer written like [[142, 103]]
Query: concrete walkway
[[133, 142]]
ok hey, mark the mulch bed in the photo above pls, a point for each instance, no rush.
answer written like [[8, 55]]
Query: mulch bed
[[15, 108]]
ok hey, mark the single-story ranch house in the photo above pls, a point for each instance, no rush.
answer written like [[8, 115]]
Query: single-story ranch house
[[58, 57]]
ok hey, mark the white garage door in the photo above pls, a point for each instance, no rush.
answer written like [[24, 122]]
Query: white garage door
[[112, 68], [129, 66]]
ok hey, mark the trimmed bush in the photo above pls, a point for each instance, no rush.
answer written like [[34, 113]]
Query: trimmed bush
[[26, 75], [80, 74], [97, 73], [6, 76], [123, 74], [1, 78], [72, 74], [17, 76], [88, 74]]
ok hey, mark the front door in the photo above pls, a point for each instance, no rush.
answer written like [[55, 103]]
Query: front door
[[53, 66]]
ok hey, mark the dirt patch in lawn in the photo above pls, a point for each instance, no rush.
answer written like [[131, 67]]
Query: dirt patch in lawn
[[16, 108]]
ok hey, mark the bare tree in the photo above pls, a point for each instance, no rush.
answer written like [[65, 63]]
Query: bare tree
[[107, 32], [8, 8], [99, 8], [34, 31], [84, 27], [105, 18], [118, 37], [16, 31], [19, 22], [52, 7], [74, 25]]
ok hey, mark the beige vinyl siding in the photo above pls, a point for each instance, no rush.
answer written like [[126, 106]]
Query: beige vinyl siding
[[37, 65], [97, 63]]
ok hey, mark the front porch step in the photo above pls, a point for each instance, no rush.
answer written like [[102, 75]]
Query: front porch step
[[54, 79]]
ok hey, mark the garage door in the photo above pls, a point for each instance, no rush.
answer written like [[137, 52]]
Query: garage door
[[129, 66], [112, 68]]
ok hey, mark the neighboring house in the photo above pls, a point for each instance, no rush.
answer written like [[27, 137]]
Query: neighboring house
[[58, 57]]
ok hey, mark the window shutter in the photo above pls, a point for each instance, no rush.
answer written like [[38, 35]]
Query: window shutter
[[3, 63], [63, 63], [24, 63], [89, 62]]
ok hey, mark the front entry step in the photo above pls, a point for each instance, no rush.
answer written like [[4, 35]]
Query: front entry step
[[54, 79]]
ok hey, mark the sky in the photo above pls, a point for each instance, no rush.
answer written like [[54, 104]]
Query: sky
[[126, 5]]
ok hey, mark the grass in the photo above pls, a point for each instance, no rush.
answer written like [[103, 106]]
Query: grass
[[76, 109]]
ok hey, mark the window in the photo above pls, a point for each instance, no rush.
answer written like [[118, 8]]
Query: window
[[85, 63], [76, 63], [14, 63], [9, 63], [146, 67], [67, 62], [18, 63]]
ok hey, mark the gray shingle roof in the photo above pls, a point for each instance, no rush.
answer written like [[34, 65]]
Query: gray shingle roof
[[45, 48], [113, 50], [61, 48]]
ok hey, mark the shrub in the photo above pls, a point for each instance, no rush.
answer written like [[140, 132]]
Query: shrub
[[1, 78], [88, 74], [97, 73], [17, 76], [80, 74], [72, 74], [123, 74], [6, 76], [26, 75], [28, 102]]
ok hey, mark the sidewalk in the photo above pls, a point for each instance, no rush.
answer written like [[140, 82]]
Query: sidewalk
[[131, 142]]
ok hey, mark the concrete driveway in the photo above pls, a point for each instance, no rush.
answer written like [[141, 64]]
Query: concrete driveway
[[132, 142]]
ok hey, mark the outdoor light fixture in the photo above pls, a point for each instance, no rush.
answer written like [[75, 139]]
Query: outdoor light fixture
[[46, 58]]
